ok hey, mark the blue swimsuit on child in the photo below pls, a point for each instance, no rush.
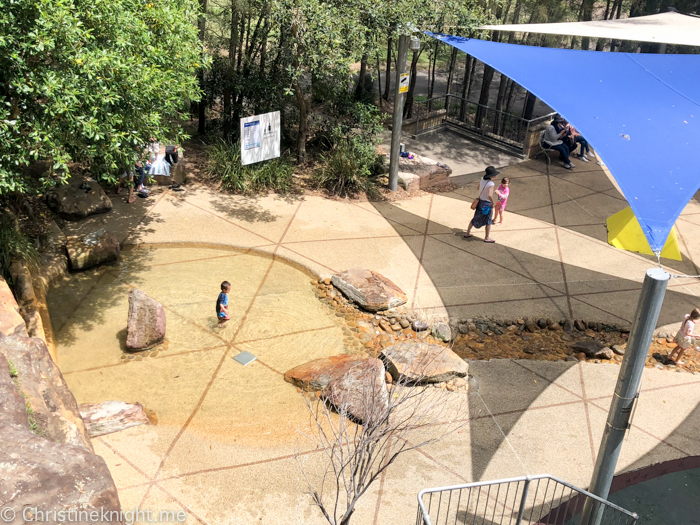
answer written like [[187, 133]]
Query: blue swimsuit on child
[[221, 301]]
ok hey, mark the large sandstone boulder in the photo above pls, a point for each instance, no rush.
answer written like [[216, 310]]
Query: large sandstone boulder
[[78, 199], [111, 416], [421, 363], [146, 323], [361, 392], [45, 474], [56, 415], [316, 375], [11, 321], [370, 290], [93, 249]]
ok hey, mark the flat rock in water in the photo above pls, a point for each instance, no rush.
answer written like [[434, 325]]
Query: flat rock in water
[[361, 391], [93, 249], [590, 348], [423, 363], [111, 416], [369, 290], [78, 199], [442, 332], [318, 374], [146, 323]]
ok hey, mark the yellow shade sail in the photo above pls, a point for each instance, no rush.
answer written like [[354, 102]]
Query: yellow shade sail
[[625, 233]]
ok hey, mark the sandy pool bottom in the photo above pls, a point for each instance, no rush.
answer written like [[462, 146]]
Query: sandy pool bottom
[[213, 413]]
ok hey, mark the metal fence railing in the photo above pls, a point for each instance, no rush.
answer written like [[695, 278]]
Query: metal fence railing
[[495, 125], [526, 500]]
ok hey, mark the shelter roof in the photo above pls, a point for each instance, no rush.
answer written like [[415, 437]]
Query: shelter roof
[[641, 113], [668, 28]]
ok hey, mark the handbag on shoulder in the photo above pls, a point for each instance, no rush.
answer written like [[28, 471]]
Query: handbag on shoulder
[[475, 203]]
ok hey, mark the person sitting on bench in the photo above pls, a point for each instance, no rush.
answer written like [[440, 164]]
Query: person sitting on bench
[[553, 140]]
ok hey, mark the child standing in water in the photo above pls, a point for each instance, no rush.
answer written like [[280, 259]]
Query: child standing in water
[[684, 337], [502, 193], [222, 302]]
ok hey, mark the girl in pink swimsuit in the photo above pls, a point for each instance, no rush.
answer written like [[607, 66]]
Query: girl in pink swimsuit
[[502, 193]]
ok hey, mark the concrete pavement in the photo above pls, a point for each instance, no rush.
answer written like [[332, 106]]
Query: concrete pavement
[[227, 443]]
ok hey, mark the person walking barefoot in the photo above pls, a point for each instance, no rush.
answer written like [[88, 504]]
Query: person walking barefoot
[[502, 193], [684, 337], [483, 213]]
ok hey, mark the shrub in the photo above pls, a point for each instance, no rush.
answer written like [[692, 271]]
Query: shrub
[[14, 245], [224, 164], [353, 162]]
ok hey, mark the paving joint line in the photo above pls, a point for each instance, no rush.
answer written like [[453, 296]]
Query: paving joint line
[[561, 255], [588, 416], [422, 250]]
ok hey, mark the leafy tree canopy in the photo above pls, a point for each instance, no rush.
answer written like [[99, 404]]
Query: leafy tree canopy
[[90, 81]]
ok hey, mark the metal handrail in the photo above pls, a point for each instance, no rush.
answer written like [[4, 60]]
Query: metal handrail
[[603, 504]]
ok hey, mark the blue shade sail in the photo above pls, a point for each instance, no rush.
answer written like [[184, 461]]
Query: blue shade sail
[[640, 112]]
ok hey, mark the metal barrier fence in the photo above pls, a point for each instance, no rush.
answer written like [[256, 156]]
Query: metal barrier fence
[[526, 500], [506, 128]]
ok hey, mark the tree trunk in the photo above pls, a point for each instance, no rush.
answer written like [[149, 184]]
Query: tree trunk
[[500, 99], [408, 107], [303, 122], [465, 83], [450, 79], [484, 96], [529, 106], [431, 86], [202, 104], [387, 77], [586, 16], [379, 83], [451, 72], [472, 73], [360, 89], [228, 92]]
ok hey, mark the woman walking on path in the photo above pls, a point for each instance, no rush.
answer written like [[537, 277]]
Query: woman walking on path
[[483, 214]]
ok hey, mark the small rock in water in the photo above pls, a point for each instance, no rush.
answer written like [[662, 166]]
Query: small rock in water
[[542, 323], [605, 353], [568, 326], [404, 322], [419, 325], [579, 325], [531, 326], [618, 349]]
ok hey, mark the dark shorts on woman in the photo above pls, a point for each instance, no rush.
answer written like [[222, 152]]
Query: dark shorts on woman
[[480, 218]]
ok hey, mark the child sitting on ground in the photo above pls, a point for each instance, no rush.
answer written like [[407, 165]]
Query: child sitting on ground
[[222, 302], [684, 337], [502, 193]]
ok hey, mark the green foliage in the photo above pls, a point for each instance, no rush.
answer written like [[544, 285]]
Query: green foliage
[[14, 245], [352, 163], [90, 81], [224, 164], [13, 370]]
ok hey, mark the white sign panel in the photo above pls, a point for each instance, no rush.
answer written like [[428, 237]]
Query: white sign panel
[[260, 137]]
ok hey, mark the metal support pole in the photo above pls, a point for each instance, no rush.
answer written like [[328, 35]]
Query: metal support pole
[[626, 390], [398, 115]]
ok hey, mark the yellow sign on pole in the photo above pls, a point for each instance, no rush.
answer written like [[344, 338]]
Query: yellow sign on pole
[[403, 85]]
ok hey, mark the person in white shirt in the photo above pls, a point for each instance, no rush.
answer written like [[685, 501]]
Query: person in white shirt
[[552, 140], [483, 214]]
